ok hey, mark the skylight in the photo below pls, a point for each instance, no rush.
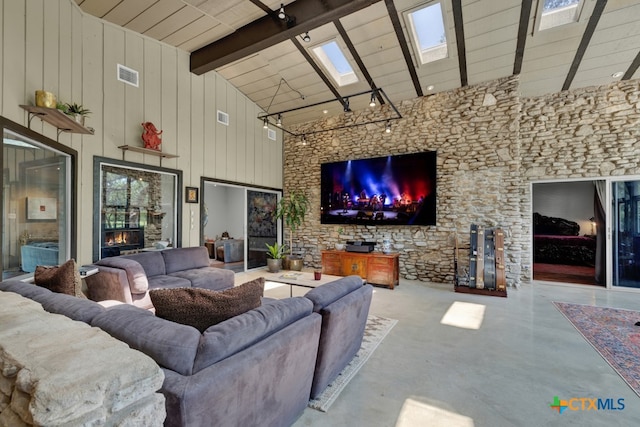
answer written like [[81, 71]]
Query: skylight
[[559, 12], [336, 64], [428, 31]]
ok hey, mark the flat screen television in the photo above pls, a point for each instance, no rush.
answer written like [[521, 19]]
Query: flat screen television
[[390, 190]]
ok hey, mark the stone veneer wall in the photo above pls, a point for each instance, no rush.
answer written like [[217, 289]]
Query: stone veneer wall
[[491, 145], [56, 371], [583, 133], [475, 131]]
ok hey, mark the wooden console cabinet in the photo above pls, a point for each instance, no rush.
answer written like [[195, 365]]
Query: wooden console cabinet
[[374, 267]]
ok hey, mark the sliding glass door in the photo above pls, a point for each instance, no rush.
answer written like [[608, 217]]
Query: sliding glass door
[[38, 201], [237, 223], [625, 233]]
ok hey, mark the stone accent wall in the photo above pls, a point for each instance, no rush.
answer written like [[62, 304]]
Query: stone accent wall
[[491, 145], [56, 371], [475, 132], [590, 132]]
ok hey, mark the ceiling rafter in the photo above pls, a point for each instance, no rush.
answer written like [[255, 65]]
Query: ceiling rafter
[[356, 57], [523, 27], [632, 68], [584, 43], [404, 45], [266, 32], [462, 50]]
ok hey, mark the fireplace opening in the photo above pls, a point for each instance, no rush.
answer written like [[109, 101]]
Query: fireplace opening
[[122, 239]]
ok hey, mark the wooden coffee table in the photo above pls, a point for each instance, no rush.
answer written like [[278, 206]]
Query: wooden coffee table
[[297, 278]]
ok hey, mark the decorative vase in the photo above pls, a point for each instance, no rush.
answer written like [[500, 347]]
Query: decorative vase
[[386, 246], [339, 246], [274, 265], [45, 99]]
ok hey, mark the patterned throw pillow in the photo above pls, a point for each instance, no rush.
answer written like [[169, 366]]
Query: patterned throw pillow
[[64, 279], [202, 308]]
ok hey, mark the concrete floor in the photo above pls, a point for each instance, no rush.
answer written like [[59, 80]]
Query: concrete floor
[[502, 366]]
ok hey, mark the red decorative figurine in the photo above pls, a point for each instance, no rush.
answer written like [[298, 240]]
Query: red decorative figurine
[[151, 136]]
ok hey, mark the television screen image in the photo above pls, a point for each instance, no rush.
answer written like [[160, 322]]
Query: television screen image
[[390, 190]]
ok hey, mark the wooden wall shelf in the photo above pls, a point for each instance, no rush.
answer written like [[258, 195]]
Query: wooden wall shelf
[[56, 118], [149, 151]]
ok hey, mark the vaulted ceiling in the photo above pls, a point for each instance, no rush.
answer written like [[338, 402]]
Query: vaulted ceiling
[[266, 58]]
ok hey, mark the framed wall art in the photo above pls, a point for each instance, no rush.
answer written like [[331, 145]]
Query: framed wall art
[[191, 195], [42, 208]]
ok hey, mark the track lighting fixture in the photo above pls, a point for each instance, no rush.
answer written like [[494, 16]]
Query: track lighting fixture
[[306, 37], [281, 13], [376, 95]]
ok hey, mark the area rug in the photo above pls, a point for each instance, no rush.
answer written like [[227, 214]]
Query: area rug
[[375, 330], [612, 333]]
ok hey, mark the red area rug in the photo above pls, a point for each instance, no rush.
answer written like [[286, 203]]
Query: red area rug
[[612, 333]]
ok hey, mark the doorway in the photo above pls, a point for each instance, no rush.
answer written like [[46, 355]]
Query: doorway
[[237, 223], [568, 227]]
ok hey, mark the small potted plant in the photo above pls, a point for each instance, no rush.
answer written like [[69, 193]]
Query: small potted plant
[[77, 111], [275, 254]]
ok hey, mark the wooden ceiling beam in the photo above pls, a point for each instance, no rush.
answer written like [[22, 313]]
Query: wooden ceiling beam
[[302, 16]]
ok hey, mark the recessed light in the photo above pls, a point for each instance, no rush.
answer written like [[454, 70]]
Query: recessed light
[[325, 111], [617, 74], [431, 87]]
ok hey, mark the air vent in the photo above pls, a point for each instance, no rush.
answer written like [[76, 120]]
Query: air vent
[[127, 75], [223, 118], [271, 134]]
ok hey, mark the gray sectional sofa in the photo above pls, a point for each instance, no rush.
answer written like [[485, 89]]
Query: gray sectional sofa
[[128, 278], [256, 369]]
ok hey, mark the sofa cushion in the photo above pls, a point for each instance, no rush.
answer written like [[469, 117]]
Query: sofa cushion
[[152, 262], [324, 295], [216, 279], [185, 259], [234, 335], [164, 281], [202, 308], [138, 282], [64, 279], [171, 345]]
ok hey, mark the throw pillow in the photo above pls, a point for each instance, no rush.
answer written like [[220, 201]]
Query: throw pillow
[[202, 308], [64, 279]]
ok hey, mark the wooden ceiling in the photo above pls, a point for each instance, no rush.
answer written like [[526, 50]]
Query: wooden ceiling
[[267, 60]]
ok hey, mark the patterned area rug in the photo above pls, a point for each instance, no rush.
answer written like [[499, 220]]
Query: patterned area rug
[[613, 333], [376, 329]]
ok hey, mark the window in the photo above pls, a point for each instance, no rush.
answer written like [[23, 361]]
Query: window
[[559, 12], [138, 207], [335, 62], [428, 32]]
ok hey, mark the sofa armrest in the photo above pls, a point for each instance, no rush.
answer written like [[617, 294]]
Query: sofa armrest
[[109, 284]]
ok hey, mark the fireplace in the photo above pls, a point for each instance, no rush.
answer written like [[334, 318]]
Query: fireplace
[[115, 241]]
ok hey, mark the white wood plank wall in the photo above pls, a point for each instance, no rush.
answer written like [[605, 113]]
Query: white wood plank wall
[[53, 45]]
